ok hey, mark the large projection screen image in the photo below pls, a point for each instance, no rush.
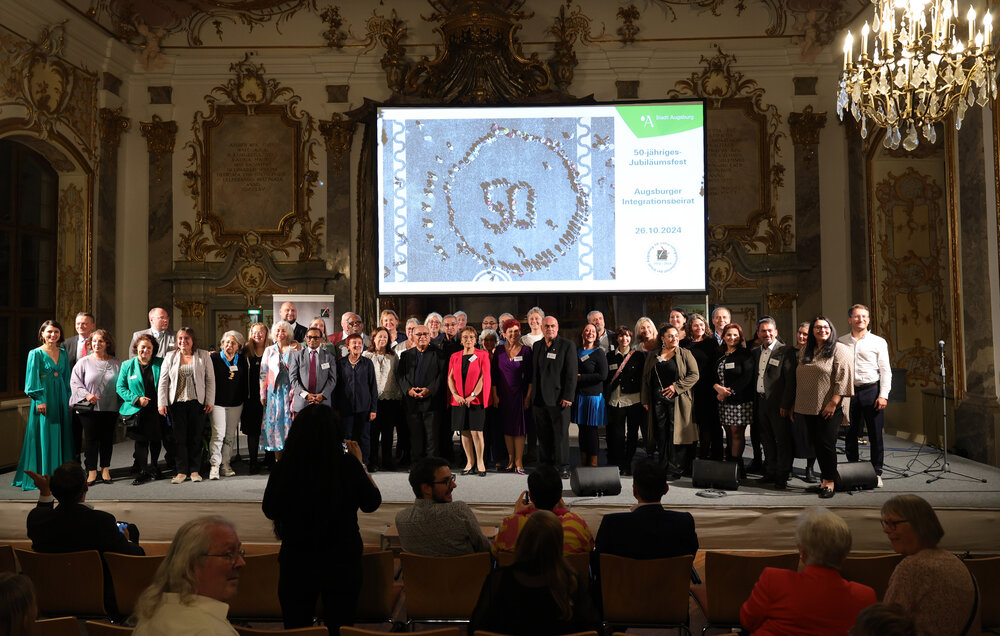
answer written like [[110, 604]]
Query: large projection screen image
[[549, 199]]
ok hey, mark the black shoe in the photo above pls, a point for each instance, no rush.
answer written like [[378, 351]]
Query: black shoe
[[763, 481], [142, 478], [564, 474], [826, 492], [372, 468], [482, 473], [136, 468], [154, 474], [469, 471], [673, 476], [810, 478], [254, 468], [781, 484], [755, 467]]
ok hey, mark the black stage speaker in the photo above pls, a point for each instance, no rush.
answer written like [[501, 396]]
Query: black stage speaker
[[855, 476], [591, 481], [714, 474]]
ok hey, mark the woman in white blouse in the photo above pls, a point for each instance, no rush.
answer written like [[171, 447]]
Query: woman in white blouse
[[390, 409], [186, 395], [96, 402]]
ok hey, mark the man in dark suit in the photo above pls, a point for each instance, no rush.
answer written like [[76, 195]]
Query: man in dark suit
[[555, 365], [73, 526], [774, 365], [420, 375], [649, 531], [159, 329], [357, 396], [289, 314], [79, 347], [313, 373]]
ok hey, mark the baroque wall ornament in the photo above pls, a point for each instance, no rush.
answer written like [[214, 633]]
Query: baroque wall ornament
[[113, 124], [737, 109], [629, 29], [73, 260], [338, 133], [805, 127], [479, 61], [251, 101], [567, 29], [54, 94], [390, 33]]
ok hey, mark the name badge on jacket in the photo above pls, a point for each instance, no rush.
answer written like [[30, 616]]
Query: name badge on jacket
[[517, 359], [550, 356], [612, 367], [774, 362], [325, 365], [730, 365], [585, 358]]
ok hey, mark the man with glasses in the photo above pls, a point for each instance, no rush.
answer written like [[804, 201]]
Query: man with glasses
[[354, 326], [313, 373], [435, 525], [420, 375], [208, 552]]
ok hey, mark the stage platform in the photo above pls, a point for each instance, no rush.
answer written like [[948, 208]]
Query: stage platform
[[751, 518]]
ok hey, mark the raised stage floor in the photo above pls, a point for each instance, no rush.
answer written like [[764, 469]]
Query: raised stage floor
[[752, 518]]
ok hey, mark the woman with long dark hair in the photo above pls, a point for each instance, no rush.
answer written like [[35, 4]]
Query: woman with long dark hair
[[511, 379], [48, 438], [705, 350], [390, 408], [734, 391], [93, 387], [187, 391], [539, 594], [252, 417], [313, 496], [824, 384], [625, 413], [588, 406], [800, 437]]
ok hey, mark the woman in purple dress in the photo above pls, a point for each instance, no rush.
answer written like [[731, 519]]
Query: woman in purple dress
[[512, 392]]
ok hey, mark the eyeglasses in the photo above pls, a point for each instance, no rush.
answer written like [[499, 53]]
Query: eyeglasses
[[314, 337], [234, 556], [890, 524], [445, 482], [422, 334], [355, 323]]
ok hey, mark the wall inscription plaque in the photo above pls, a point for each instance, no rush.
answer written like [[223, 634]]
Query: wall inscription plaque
[[736, 170]]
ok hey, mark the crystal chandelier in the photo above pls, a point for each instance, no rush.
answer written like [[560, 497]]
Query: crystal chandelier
[[918, 69]]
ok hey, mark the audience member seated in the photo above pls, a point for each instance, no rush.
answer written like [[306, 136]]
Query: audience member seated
[[544, 493], [932, 585], [649, 531], [73, 526], [539, 594], [816, 600], [18, 609], [189, 594], [884, 619], [435, 525]]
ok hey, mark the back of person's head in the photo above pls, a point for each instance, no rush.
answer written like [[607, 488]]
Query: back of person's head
[[313, 440], [177, 572], [884, 619], [545, 487], [422, 473], [539, 549], [920, 515], [823, 537], [68, 483], [17, 605], [650, 481]]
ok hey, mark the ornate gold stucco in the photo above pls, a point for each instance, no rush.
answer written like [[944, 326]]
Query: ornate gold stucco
[[73, 257]]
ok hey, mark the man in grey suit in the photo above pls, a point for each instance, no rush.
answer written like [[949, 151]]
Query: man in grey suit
[[774, 369], [159, 329], [79, 347], [313, 372], [555, 366]]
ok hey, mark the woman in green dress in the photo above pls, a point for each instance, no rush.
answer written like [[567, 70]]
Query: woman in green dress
[[48, 440]]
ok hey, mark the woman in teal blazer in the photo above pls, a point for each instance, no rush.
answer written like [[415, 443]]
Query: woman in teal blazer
[[137, 383]]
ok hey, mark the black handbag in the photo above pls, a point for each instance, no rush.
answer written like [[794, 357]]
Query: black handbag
[[131, 422], [83, 406]]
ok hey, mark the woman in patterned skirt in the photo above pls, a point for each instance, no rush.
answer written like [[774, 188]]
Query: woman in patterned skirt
[[275, 388], [735, 391]]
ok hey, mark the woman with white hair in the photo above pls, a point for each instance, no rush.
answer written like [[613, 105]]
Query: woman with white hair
[[535, 318], [645, 335], [932, 585], [230, 394], [816, 600], [275, 388]]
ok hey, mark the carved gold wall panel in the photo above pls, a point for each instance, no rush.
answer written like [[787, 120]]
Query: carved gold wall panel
[[911, 273], [283, 226], [72, 259]]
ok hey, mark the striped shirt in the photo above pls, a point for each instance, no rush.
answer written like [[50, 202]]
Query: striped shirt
[[576, 534]]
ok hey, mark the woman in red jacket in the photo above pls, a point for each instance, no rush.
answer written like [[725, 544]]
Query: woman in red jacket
[[469, 388]]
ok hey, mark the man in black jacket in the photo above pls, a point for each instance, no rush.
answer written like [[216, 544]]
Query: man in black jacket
[[555, 366], [73, 526], [420, 375], [774, 372]]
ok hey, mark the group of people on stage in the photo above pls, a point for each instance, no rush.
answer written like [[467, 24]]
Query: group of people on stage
[[684, 386]]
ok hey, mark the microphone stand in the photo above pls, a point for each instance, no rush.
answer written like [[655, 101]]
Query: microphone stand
[[945, 467]]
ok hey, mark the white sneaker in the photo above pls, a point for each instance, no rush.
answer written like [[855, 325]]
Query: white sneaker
[[879, 484], [213, 473], [227, 471]]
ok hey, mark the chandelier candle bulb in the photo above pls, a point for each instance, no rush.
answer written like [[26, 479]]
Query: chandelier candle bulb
[[865, 30], [971, 15]]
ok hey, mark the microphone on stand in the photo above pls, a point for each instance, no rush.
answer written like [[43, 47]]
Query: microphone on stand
[[941, 344]]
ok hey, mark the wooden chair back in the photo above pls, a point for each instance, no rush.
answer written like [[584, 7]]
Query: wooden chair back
[[66, 584], [647, 592], [579, 561], [441, 589], [8, 562], [378, 594], [441, 631], [729, 580], [871, 570], [987, 573], [480, 632], [104, 628], [257, 596], [130, 575], [64, 626], [315, 630]]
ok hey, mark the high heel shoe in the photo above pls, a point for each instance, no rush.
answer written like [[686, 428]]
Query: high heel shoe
[[469, 471]]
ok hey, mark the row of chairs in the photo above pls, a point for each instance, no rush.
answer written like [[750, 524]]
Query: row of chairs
[[638, 593]]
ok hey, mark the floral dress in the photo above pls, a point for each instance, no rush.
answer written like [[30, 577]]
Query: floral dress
[[276, 384]]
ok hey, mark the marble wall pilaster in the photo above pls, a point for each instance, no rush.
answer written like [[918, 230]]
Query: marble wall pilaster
[[160, 136], [857, 198], [977, 416], [111, 126], [338, 135], [805, 127]]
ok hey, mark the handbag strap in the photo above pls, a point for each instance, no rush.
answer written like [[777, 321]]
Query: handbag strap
[[975, 604]]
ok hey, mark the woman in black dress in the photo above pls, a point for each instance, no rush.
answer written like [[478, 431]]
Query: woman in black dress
[[313, 496], [253, 410], [734, 389], [705, 350]]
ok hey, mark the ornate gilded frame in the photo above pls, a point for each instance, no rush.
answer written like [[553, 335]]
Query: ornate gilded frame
[[250, 93]]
